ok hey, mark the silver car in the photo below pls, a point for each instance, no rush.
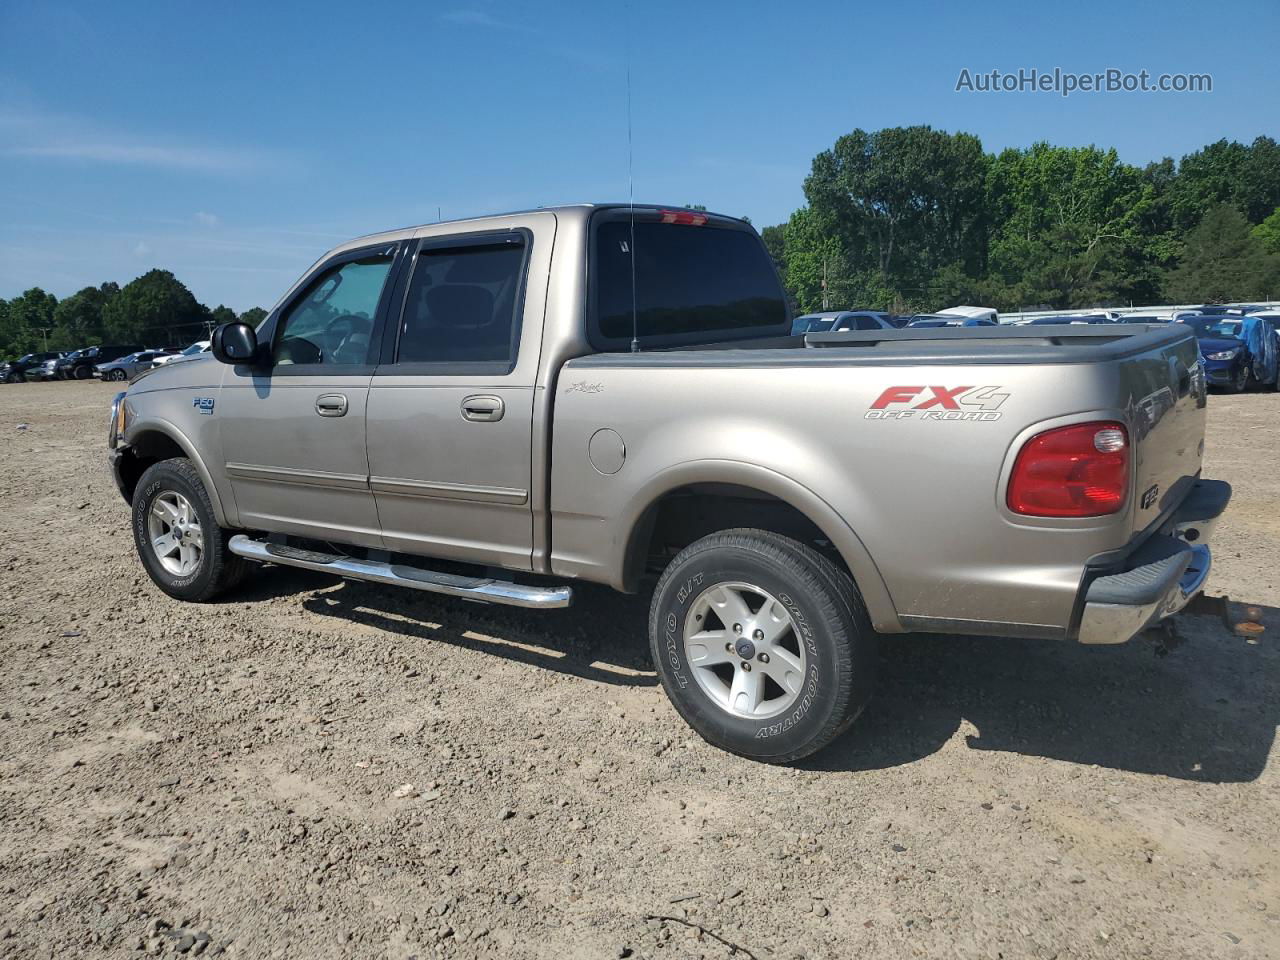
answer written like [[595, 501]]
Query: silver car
[[128, 367]]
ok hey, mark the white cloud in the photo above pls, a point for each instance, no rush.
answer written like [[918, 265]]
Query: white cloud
[[42, 135], [142, 249], [206, 219]]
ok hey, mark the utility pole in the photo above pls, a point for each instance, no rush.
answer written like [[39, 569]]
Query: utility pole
[[826, 300], [44, 337]]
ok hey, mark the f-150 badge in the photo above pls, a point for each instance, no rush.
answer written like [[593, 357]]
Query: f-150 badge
[[203, 405], [937, 403]]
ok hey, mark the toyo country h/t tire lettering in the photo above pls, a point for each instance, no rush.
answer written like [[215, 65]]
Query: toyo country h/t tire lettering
[[762, 644], [177, 536]]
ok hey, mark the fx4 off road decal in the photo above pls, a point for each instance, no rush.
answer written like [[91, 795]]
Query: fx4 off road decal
[[938, 403]]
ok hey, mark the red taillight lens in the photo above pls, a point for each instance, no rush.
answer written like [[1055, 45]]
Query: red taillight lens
[[1076, 471]]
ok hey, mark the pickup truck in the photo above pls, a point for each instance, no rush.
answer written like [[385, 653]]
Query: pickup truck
[[493, 409]]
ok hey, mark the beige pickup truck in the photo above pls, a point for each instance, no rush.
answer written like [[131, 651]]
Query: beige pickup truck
[[494, 409]]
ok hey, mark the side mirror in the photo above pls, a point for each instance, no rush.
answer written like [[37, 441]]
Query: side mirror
[[234, 342]]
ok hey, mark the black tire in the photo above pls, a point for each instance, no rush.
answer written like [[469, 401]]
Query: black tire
[[828, 617], [219, 569], [82, 372], [119, 375]]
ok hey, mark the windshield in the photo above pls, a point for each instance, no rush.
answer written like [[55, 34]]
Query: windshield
[[192, 350], [1201, 325], [1226, 329]]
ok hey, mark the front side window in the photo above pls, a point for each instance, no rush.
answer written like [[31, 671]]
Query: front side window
[[332, 323], [463, 305], [689, 281]]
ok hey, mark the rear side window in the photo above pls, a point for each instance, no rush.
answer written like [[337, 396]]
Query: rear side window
[[691, 283], [463, 305]]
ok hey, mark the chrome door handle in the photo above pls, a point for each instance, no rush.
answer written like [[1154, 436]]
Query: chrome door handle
[[331, 405], [483, 409]]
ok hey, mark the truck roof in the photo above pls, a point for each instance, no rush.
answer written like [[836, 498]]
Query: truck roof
[[581, 210]]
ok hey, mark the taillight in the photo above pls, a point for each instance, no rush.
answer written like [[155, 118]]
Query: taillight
[[1076, 471]]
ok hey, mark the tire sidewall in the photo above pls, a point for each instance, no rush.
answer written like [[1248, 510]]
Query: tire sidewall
[[783, 734], [159, 478]]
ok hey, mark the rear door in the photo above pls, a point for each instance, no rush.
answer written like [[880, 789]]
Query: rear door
[[293, 430], [451, 406]]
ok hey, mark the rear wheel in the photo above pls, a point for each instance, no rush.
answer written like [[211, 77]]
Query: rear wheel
[[1239, 382], [762, 644], [177, 535], [82, 373], [119, 375]]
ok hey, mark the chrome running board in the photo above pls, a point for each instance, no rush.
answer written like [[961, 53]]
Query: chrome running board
[[479, 589]]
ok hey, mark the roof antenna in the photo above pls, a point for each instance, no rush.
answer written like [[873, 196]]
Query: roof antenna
[[631, 189]]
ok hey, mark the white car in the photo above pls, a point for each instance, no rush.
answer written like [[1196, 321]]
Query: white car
[[197, 348]]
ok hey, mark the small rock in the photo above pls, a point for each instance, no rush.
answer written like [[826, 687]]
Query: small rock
[[1231, 936], [623, 952], [150, 705], [1076, 878], [72, 633], [185, 944], [987, 806], [820, 910], [511, 899], [731, 893], [172, 780], [441, 907], [404, 790], [506, 814], [898, 848], [23, 426], [299, 831]]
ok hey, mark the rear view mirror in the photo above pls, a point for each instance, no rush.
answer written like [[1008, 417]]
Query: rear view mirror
[[234, 342]]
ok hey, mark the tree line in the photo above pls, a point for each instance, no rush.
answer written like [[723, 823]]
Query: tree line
[[912, 218], [155, 310]]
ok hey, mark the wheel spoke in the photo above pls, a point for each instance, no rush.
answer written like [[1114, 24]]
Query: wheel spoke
[[707, 648], [729, 606], [783, 674], [772, 620], [194, 536], [164, 545], [165, 512], [745, 691]]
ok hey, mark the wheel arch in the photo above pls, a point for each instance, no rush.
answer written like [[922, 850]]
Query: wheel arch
[[154, 439], [726, 481]]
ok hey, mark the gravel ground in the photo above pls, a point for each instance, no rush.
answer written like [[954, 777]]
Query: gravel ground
[[319, 769]]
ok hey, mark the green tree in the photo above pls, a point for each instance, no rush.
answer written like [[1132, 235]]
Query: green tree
[[154, 308], [77, 320], [775, 241], [1223, 262], [1268, 232], [1227, 172], [27, 320], [904, 202], [221, 314], [1067, 226], [253, 316]]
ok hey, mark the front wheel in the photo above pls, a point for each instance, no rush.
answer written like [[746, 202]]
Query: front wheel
[[119, 375], [177, 535], [762, 644], [82, 373]]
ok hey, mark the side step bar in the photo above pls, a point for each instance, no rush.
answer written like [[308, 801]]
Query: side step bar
[[480, 589]]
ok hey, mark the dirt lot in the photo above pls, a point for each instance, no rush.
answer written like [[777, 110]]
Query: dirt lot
[[230, 778]]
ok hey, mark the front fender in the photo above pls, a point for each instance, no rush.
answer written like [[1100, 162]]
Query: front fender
[[851, 548], [136, 432]]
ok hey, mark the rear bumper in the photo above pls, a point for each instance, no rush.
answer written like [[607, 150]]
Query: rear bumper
[[1161, 577]]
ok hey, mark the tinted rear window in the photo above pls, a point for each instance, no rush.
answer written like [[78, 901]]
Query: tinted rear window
[[691, 283]]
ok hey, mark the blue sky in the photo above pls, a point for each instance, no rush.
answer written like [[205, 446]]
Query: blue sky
[[233, 143]]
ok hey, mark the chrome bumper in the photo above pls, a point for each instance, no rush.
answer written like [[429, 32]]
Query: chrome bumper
[[1166, 574]]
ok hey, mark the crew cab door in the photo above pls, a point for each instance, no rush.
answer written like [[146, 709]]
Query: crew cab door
[[451, 405], [293, 430]]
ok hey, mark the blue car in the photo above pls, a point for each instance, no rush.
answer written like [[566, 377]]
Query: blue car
[[1237, 352]]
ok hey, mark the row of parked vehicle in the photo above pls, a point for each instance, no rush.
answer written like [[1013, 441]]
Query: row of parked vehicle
[[104, 361], [1239, 344]]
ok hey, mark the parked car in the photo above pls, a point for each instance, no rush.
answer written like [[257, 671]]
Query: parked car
[[1237, 352], [1069, 318], [195, 350], [15, 371], [971, 313], [129, 366], [79, 364], [841, 320], [509, 425], [934, 320]]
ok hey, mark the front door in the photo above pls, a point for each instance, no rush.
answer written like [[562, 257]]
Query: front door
[[451, 407], [293, 429]]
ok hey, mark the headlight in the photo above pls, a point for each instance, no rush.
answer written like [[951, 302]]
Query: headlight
[[1223, 354]]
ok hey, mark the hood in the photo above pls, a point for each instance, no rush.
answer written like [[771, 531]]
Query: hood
[[200, 370], [1210, 345]]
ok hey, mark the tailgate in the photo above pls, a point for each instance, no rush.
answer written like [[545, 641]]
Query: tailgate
[[1165, 390]]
